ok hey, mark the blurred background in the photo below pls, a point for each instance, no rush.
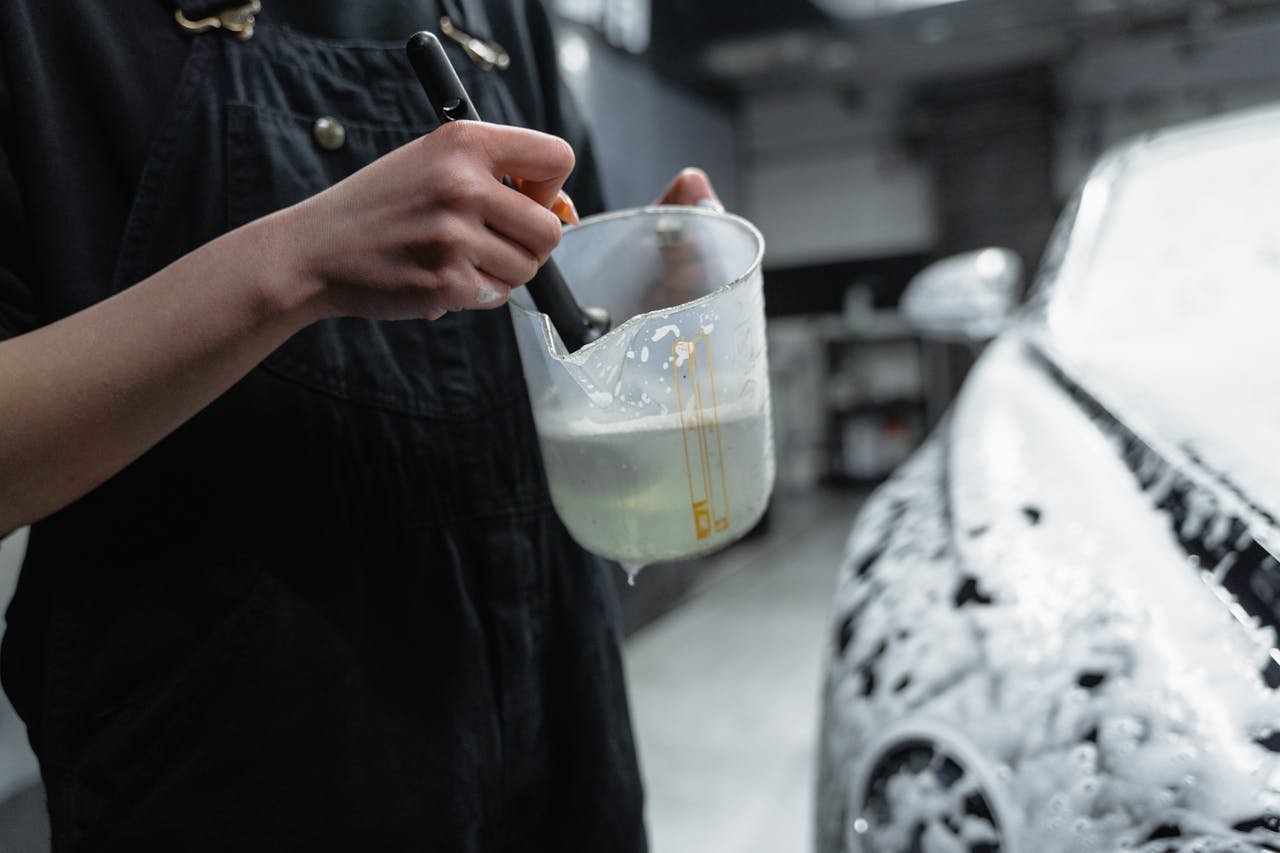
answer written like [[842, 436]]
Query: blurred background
[[865, 138]]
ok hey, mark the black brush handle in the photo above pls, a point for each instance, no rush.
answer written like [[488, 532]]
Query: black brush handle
[[439, 79], [450, 100]]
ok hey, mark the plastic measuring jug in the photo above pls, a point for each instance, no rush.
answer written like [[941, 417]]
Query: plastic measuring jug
[[656, 438]]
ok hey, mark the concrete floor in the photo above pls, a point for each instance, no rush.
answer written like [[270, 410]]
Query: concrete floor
[[23, 825], [724, 689]]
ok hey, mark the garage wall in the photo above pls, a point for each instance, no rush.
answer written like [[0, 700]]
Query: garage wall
[[826, 178], [644, 128], [1113, 91]]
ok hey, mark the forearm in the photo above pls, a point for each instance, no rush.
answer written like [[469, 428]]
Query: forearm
[[426, 229], [83, 397]]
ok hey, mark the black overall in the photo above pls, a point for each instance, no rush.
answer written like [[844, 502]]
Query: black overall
[[335, 610]]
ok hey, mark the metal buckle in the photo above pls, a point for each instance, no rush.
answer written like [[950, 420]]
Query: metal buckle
[[236, 21], [486, 54]]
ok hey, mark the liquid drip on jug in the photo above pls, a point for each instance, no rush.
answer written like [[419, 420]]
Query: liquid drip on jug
[[632, 569]]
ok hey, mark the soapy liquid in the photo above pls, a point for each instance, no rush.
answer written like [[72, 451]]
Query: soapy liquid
[[651, 491]]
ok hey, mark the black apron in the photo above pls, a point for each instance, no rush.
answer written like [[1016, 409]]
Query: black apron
[[335, 610]]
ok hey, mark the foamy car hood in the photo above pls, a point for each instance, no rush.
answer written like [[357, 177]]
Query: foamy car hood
[[1025, 659]]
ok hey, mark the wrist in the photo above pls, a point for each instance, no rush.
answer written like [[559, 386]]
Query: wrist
[[289, 286]]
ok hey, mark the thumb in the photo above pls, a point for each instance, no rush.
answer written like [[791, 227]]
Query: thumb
[[691, 186]]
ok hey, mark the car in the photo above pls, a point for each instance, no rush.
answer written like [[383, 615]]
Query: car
[[1055, 625]]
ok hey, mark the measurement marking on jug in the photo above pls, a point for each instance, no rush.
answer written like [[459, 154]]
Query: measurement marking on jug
[[700, 433]]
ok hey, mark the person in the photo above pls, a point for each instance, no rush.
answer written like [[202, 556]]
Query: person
[[293, 579]]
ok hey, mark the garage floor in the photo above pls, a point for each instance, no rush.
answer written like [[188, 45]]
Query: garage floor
[[724, 689]]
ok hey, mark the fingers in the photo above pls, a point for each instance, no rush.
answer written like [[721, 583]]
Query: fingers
[[563, 207], [506, 263], [539, 161], [430, 228], [471, 288], [691, 187], [524, 222], [538, 165], [483, 273]]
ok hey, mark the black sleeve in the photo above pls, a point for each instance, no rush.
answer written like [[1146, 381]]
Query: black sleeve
[[524, 27], [17, 308]]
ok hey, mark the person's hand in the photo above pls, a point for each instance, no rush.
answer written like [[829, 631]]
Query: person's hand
[[691, 186], [683, 266], [430, 227]]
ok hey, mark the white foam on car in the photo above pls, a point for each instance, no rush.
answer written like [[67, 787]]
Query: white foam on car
[[1095, 584], [1171, 312]]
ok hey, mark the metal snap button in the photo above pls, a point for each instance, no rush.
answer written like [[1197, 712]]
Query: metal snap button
[[329, 133]]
